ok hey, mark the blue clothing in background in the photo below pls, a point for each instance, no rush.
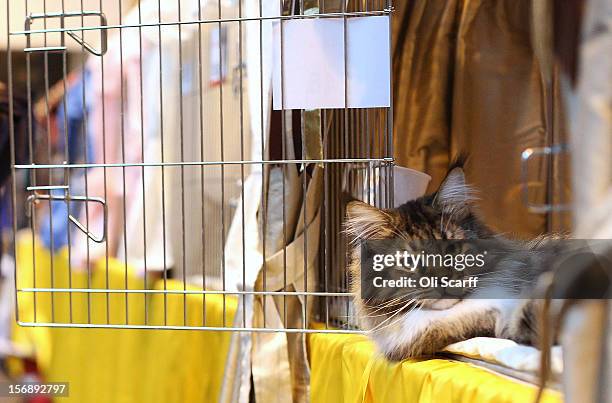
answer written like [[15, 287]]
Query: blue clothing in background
[[74, 116]]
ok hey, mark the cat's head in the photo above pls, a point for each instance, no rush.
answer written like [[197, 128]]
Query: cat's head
[[446, 214]]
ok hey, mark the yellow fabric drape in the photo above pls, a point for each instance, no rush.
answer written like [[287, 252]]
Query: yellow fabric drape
[[347, 369], [113, 365], [122, 365]]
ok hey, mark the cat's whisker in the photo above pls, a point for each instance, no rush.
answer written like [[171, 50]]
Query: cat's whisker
[[416, 306], [380, 325], [391, 303], [396, 301], [411, 301]]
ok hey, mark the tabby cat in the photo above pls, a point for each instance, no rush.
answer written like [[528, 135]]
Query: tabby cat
[[420, 327]]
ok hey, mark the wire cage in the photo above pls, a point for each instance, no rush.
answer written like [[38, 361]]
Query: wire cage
[[149, 223]]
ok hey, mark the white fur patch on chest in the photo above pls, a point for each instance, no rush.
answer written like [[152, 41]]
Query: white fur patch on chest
[[408, 328]]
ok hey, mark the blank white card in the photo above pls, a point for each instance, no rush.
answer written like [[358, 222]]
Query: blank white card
[[313, 63]]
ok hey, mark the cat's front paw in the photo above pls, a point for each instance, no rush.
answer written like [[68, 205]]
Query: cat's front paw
[[522, 325], [424, 344]]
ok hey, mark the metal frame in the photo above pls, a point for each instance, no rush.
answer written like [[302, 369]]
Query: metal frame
[[351, 137]]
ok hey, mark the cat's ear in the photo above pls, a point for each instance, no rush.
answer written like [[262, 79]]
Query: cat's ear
[[364, 221], [454, 194]]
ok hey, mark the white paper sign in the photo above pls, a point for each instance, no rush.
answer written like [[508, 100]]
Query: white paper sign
[[313, 61]]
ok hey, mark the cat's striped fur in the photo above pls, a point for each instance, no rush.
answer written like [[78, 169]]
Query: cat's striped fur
[[421, 327]]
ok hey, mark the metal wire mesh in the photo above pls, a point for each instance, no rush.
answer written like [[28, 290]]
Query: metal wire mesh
[[201, 173]]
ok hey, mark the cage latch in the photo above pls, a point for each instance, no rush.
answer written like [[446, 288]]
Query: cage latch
[[527, 155], [62, 16], [36, 197]]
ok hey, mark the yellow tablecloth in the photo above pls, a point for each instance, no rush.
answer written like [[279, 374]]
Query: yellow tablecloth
[[117, 365], [121, 365], [347, 369]]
